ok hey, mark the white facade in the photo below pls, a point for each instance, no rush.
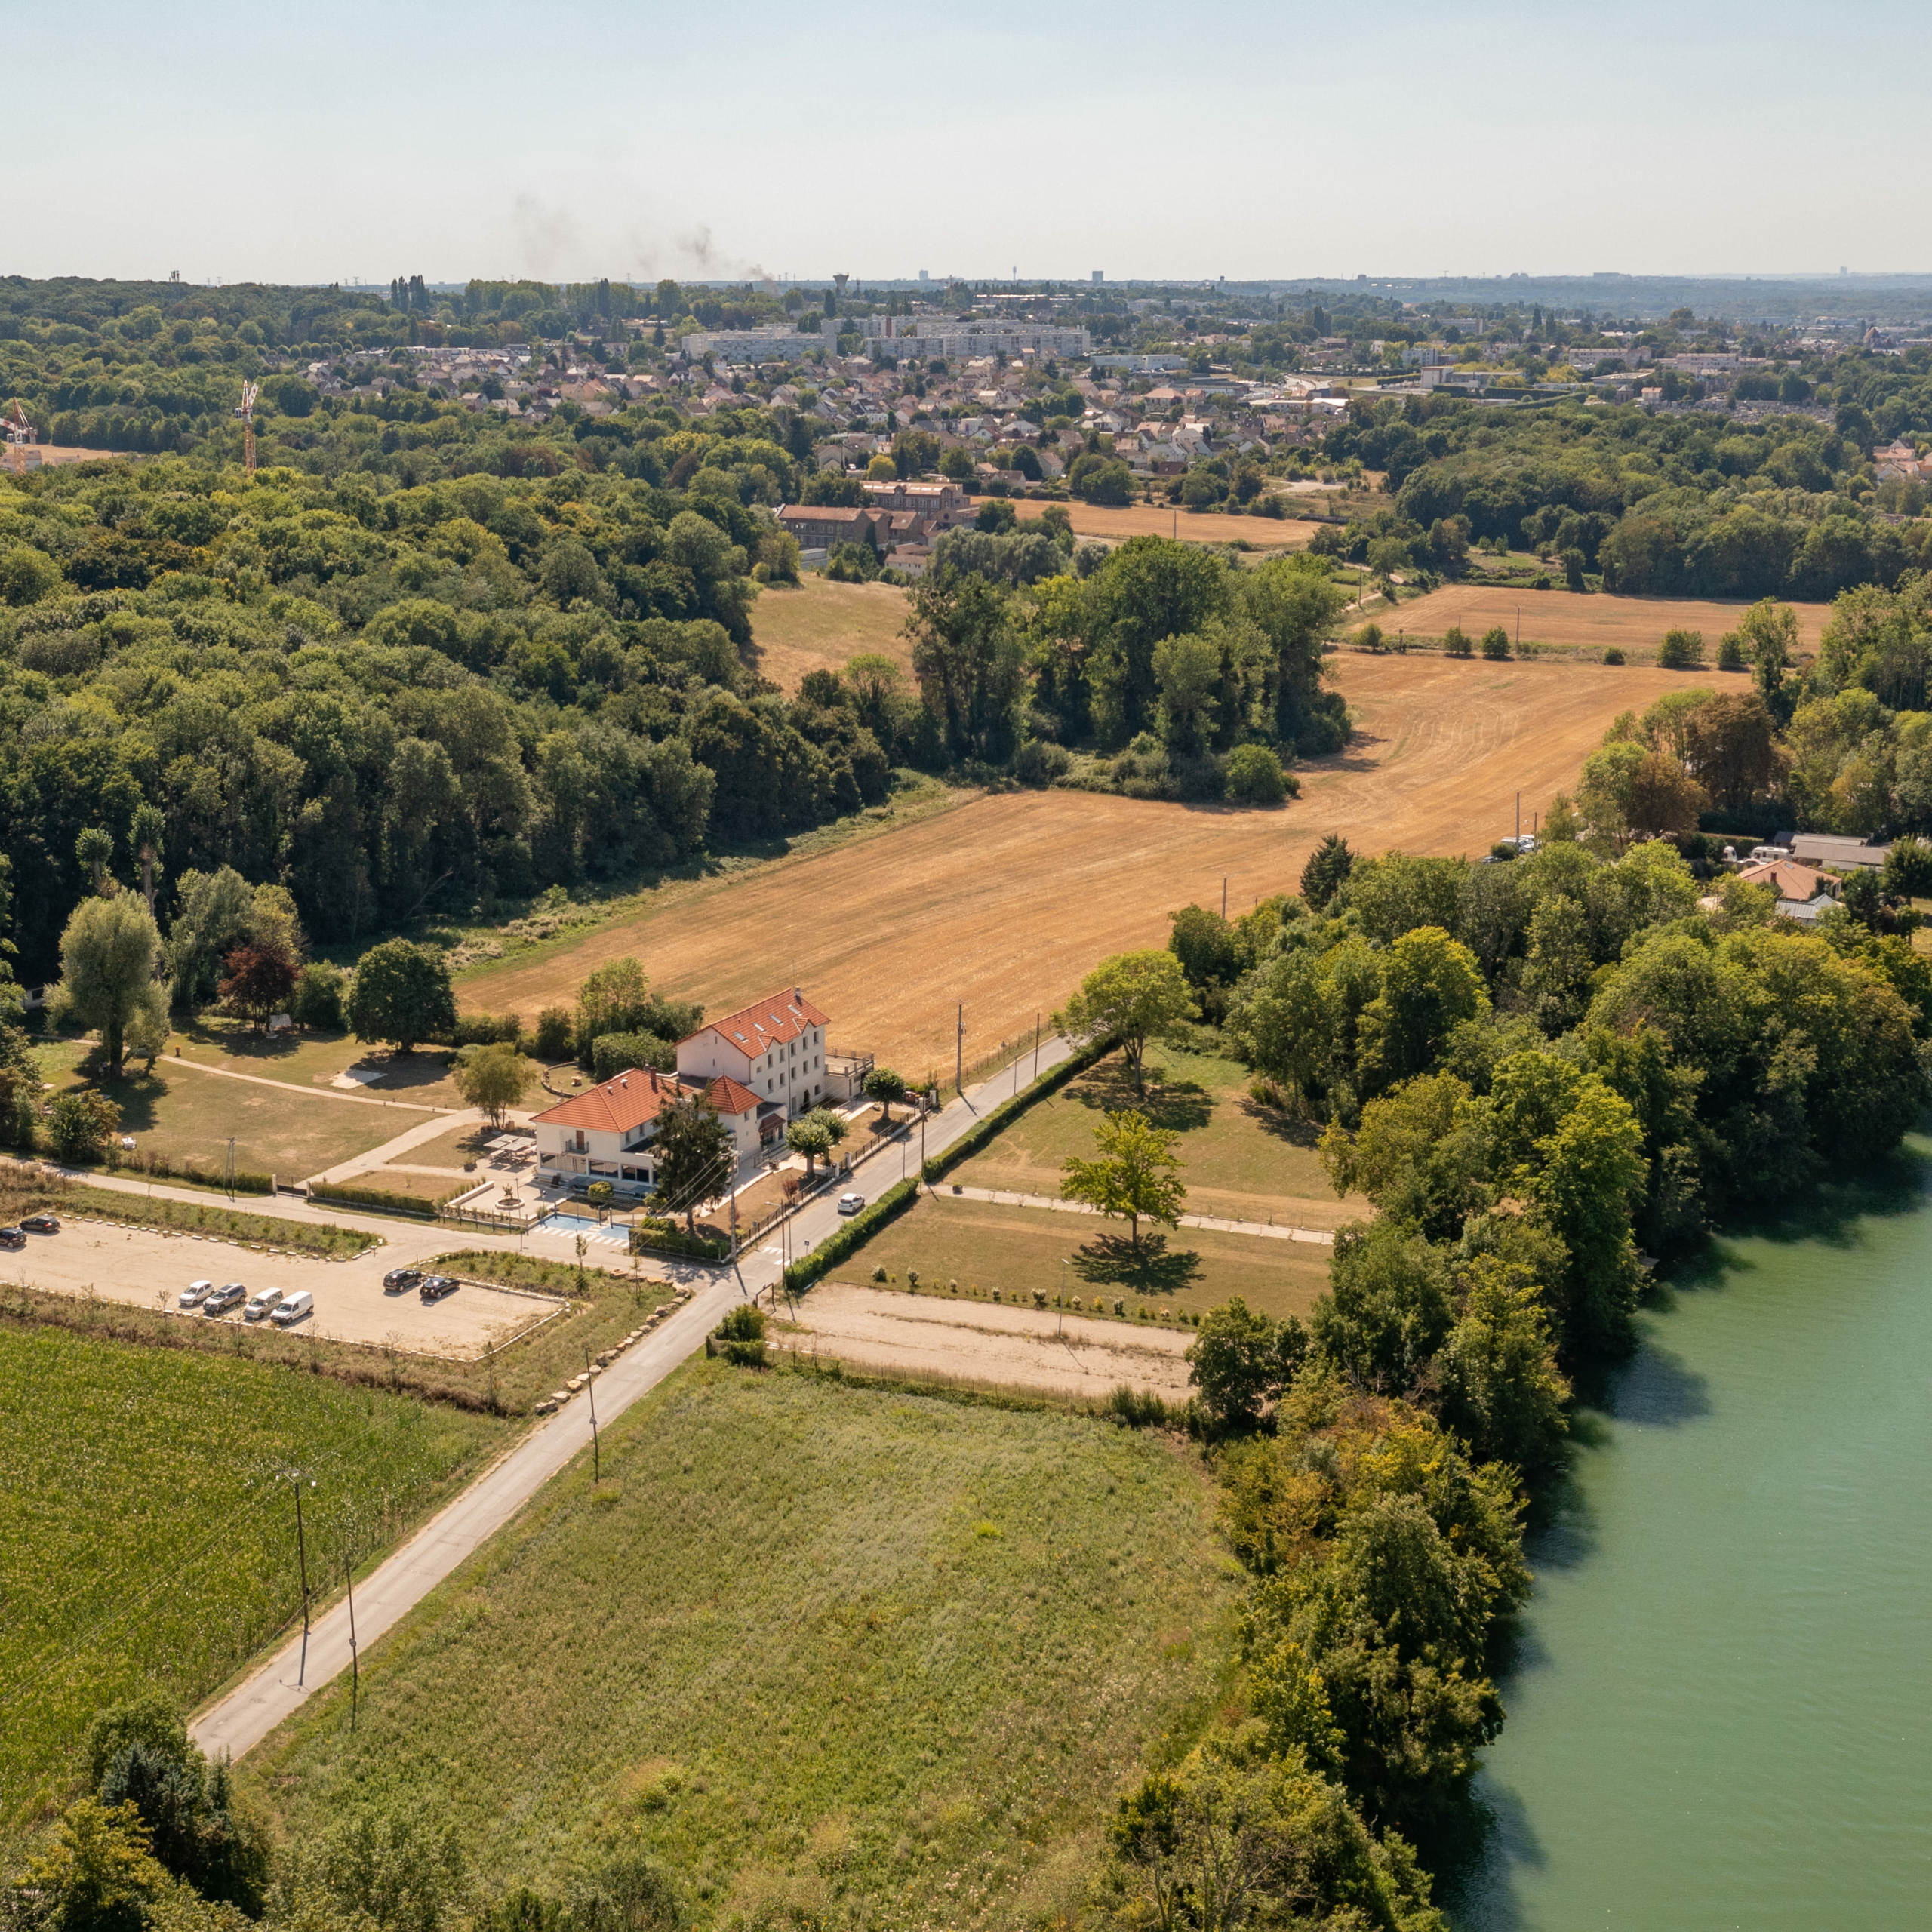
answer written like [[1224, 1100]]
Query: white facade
[[775, 1047]]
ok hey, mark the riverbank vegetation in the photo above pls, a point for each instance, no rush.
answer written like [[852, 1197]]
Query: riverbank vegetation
[[1544, 1074]]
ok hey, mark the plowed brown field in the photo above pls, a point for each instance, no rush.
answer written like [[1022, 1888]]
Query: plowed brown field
[[1571, 617], [1004, 902]]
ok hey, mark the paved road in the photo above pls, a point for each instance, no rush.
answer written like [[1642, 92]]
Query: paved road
[[241, 1720]]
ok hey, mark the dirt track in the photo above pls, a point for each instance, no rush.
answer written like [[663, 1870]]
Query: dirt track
[[978, 1342], [1004, 902]]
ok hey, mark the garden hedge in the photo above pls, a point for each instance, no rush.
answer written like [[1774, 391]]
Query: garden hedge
[[383, 1202]]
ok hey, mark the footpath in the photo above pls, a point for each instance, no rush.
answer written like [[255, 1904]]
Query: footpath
[[238, 1721], [1268, 1230]]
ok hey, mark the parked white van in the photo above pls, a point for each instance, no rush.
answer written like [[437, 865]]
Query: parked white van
[[300, 1303]]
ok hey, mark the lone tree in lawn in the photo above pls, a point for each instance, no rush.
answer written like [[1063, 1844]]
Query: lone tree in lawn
[[1135, 1176], [695, 1156], [494, 1079], [1133, 997], [885, 1087], [258, 978], [815, 1134], [401, 993], [108, 955]]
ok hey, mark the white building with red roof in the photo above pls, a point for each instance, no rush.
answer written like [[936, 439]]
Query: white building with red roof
[[775, 1046], [605, 1133]]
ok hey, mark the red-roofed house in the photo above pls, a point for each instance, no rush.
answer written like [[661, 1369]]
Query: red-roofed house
[[775, 1046], [605, 1132]]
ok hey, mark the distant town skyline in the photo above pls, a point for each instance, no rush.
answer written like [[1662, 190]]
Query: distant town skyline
[[588, 139]]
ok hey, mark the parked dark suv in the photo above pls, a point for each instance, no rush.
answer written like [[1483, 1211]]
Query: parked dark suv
[[435, 1286], [400, 1280], [42, 1223], [13, 1238]]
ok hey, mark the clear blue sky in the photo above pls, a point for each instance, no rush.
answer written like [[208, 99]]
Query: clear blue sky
[[580, 138]]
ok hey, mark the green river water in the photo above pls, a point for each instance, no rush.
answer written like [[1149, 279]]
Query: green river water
[[1721, 1706]]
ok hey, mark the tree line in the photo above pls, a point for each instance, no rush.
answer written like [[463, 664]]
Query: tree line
[[1545, 1075]]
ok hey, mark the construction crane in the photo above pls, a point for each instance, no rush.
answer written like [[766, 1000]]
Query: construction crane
[[247, 413], [20, 433]]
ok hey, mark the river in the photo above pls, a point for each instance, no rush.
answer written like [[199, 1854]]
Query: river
[[1718, 1706]]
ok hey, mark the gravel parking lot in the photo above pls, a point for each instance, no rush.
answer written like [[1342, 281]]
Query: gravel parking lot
[[148, 1268]]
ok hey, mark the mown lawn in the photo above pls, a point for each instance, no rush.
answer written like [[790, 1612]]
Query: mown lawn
[[1241, 1161], [829, 1653], [147, 1537], [984, 1246]]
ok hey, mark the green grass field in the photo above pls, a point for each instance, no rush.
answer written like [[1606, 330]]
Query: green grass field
[[1017, 1250], [146, 1537], [1241, 1161], [832, 1653]]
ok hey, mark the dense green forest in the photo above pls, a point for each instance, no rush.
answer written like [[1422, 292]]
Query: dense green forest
[[1689, 505]]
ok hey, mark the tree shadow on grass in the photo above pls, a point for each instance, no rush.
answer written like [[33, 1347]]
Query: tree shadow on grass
[[1176, 1106], [1279, 1124], [1150, 1268]]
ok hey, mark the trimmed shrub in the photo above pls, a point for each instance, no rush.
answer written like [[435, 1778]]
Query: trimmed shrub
[[1682, 651], [1731, 652], [1455, 642], [667, 1238], [1255, 776], [1137, 1408], [381, 1201], [1496, 642], [1613, 656]]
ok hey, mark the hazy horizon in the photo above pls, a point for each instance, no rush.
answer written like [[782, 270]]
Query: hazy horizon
[[590, 140]]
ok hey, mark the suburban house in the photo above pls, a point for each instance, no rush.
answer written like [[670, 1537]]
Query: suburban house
[[775, 1048], [605, 1133]]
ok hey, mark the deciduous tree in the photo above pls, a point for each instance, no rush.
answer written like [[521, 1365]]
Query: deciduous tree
[[1137, 1177], [1133, 997]]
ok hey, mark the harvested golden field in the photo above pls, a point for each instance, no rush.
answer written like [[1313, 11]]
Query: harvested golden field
[[1152, 520], [1004, 902], [818, 627], [1576, 618]]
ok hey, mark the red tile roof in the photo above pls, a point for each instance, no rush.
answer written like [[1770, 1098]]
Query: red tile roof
[[618, 1106], [777, 1020], [729, 1097], [622, 1104]]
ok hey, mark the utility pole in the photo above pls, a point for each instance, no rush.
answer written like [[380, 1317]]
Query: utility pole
[[302, 1550], [596, 1453], [231, 1166], [1224, 895], [354, 1656], [959, 1052], [1036, 1045], [1519, 822]]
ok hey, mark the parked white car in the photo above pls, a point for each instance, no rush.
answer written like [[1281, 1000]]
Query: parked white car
[[195, 1292], [260, 1303], [300, 1303]]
